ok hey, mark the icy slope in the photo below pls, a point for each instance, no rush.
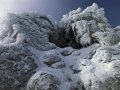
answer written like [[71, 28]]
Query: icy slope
[[81, 54]]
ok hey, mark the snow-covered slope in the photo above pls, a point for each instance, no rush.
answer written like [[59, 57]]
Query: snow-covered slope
[[81, 54]]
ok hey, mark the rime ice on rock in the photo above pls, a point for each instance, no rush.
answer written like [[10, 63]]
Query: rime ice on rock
[[81, 54]]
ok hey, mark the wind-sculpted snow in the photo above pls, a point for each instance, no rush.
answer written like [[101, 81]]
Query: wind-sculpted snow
[[81, 54]]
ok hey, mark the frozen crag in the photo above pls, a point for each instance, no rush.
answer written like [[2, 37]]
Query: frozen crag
[[83, 53], [30, 29], [17, 34]]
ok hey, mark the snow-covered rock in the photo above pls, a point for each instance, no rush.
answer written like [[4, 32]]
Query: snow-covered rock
[[51, 58], [30, 29], [17, 34], [81, 54], [17, 64], [43, 80], [84, 24]]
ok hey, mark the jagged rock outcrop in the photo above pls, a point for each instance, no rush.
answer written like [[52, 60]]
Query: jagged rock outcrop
[[84, 24], [18, 33], [81, 54], [30, 29]]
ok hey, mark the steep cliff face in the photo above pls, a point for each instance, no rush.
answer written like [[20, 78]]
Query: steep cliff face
[[81, 54]]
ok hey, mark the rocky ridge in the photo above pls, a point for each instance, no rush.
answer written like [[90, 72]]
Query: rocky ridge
[[82, 53]]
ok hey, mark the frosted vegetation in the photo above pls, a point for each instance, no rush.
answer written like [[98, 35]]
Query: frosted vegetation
[[83, 53]]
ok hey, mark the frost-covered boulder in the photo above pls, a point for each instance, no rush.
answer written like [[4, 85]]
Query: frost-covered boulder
[[58, 65], [99, 72], [109, 38], [66, 51], [17, 64], [84, 24], [51, 58], [106, 73], [19, 32], [30, 29], [45, 79]]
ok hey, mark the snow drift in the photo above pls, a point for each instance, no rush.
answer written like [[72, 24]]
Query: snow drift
[[82, 53]]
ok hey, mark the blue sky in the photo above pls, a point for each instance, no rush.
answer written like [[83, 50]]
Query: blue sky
[[57, 8]]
